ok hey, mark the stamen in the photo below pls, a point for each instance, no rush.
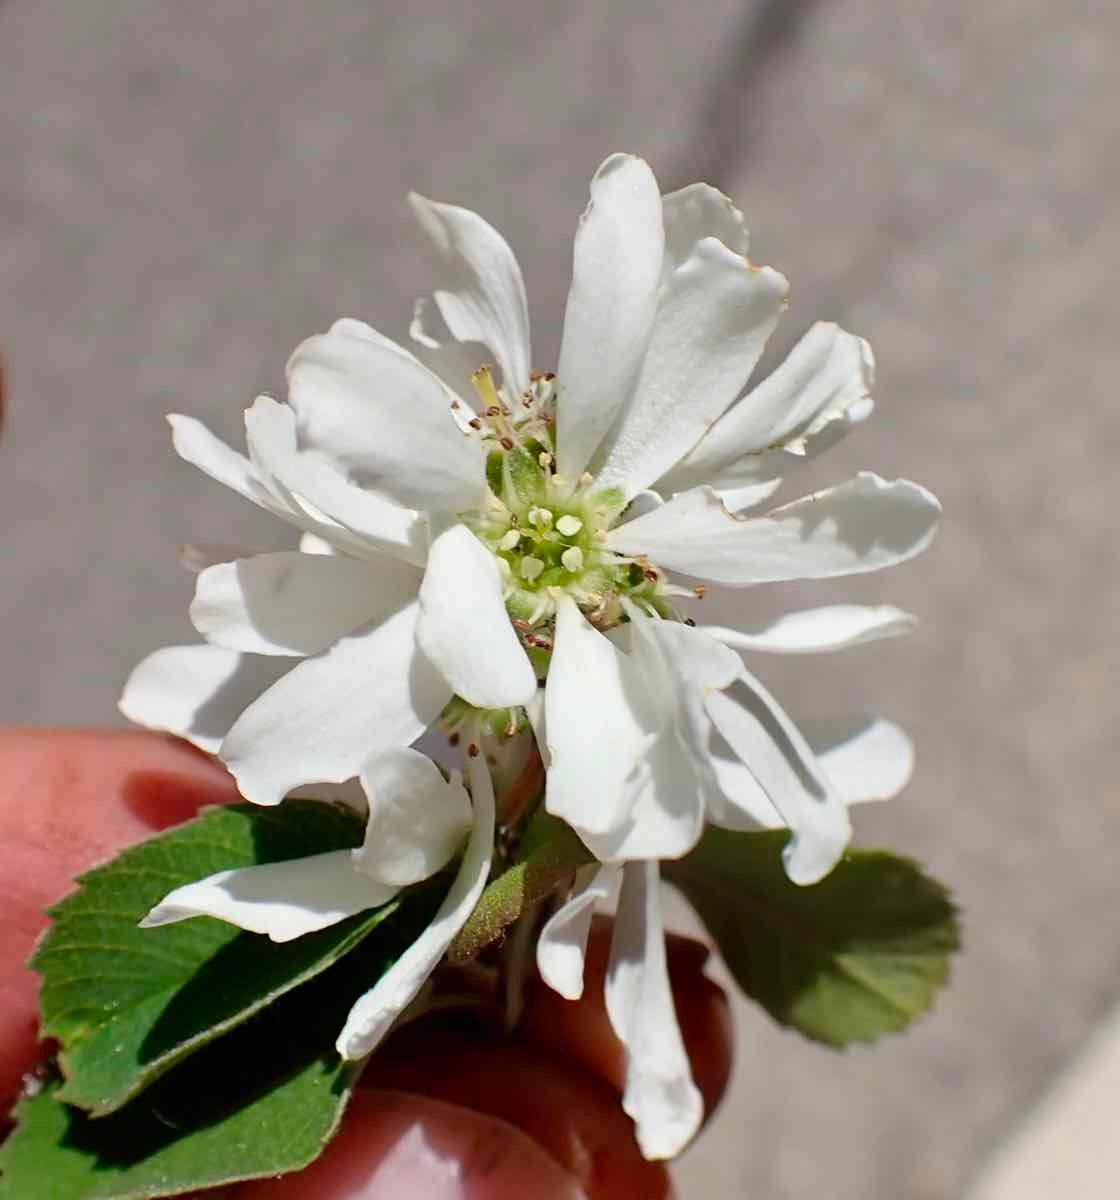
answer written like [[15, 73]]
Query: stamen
[[572, 558], [569, 526], [509, 539], [483, 382], [531, 568]]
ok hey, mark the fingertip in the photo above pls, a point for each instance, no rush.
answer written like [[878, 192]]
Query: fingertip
[[395, 1146], [70, 799]]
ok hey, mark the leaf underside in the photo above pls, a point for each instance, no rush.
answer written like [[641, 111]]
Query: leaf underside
[[858, 955]]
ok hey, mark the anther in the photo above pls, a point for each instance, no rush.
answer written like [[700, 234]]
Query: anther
[[568, 525], [453, 738], [572, 559], [531, 568], [507, 443], [700, 591], [475, 423], [472, 751]]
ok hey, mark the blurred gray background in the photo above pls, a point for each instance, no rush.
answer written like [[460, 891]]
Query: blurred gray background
[[186, 190]]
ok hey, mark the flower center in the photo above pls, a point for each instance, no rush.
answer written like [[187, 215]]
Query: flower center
[[548, 536]]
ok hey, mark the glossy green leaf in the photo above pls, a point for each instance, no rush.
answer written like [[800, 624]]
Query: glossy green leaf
[[126, 1004], [263, 1100]]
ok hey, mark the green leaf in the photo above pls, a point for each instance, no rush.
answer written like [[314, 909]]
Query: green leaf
[[860, 954], [263, 1100], [127, 1004], [549, 855]]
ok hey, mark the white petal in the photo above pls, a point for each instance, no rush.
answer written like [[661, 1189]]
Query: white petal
[[597, 736], [197, 556], [453, 361], [290, 603], [863, 525], [481, 294], [805, 405], [770, 746], [312, 543], [368, 693], [197, 445], [713, 321], [196, 692], [319, 499], [284, 900], [534, 710], [384, 420], [372, 1016], [660, 1096], [700, 211], [690, 666], [814, 630], [737, 499], [417, 819], [611, 305], [864, 758], [464, 627], [562, 945]]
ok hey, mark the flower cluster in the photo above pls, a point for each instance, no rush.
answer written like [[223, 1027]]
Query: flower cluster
[[514, 558]]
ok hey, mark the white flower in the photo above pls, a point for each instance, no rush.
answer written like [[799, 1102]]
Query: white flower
[[417, 823], [442, 534], [470, 531]]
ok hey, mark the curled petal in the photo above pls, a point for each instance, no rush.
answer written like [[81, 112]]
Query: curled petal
[[815, 630], [284, 900], [562, 945], [863, 525], [700, 211], [777, 758], [864, 758], [374, 1013], [417, 819], [481, 295], [660, 1095]]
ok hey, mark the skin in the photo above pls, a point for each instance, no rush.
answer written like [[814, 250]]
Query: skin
[[443, 1113]]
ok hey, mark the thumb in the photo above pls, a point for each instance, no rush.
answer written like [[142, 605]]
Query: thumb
[[69, 800]]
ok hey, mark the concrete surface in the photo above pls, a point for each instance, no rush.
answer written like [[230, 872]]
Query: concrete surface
[[187, 190], [1067, 1146]]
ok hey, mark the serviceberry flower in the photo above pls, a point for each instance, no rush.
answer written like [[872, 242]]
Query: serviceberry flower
[[491, 547]]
